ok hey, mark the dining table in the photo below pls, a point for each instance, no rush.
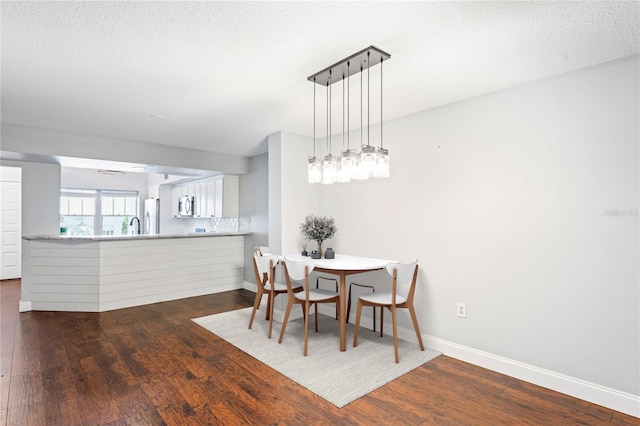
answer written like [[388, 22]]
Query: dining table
[[343, 265]]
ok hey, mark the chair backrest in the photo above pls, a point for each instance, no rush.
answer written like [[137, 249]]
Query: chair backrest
[[406, 275], [298, 270], [264, 266], [263, 250]]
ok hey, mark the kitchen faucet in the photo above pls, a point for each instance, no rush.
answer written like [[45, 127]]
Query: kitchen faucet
[[131, 223]]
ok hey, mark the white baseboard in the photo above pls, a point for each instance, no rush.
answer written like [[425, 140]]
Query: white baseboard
[[24, 306], [610, 398]]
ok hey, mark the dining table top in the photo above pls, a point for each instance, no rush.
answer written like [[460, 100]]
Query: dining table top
[[343, 262]]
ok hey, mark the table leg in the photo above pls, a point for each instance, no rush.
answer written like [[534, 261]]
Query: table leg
[[343, 312]]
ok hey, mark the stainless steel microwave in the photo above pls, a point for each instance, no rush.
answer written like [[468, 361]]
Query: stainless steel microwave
[[186, 206]]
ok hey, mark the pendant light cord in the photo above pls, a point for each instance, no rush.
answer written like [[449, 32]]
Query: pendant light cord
[[329, 112], [314, 117], [381, 60], [368, 95], [361, 90], [348, 109], [343, 111]]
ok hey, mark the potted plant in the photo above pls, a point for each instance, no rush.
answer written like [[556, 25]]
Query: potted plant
[[318, 228]]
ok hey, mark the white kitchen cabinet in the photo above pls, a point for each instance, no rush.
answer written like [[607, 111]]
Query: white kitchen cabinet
[[215, 197], [200, 207], [219, 197], [176, 193], [190, 189], [210, 185]]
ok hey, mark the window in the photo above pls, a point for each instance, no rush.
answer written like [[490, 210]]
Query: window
[[97, 212], [117, 208]]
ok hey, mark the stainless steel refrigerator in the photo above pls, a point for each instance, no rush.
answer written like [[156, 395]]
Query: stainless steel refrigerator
[[152, 216]]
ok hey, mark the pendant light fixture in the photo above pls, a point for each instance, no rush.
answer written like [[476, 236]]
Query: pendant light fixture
[[369, 162], [347, 166], [314, 169], [381, 169], [330, 163], [367, 156], [360, 172]]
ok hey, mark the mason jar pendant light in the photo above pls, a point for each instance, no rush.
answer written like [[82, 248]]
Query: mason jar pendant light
[[314, 170], [367, 156], [369, 162], [360, 172], [347, 166], [381, 169], [330, 163]]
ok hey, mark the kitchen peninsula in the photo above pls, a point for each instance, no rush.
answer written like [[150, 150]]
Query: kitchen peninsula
[[101, 273]]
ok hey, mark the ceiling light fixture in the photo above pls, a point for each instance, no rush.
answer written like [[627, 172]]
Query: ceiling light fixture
[[110, 172], [314, 167], [347, 166], [381, 168], [330, 163], [369, 162]]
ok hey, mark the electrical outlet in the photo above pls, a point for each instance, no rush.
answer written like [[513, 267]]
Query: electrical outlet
[[462, 310]]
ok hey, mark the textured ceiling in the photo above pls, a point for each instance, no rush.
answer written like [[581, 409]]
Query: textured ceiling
[[221, 76]]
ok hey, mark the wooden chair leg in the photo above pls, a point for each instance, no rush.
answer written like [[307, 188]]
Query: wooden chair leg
[[285, 320], [357, 326], [256, 305], [272, 296], [381, 320], [349, 304], [316, 317], [374, 318], [266, 314], [306, 327], [395, 333], [414, 318]]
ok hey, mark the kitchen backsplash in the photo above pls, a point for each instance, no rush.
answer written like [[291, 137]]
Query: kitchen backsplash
[[224, 224], [215, 224]]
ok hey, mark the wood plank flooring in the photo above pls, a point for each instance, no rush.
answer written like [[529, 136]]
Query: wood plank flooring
[[151, 365]]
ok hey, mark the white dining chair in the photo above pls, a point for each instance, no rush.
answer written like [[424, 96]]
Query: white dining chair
[[373, 290], [335, 284], [264, 268], [403, 285], [299, 271]]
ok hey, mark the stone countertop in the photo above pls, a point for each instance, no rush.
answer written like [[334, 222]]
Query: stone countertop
[[129, 237]]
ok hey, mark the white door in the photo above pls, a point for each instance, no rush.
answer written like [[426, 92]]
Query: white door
[[10, 222]]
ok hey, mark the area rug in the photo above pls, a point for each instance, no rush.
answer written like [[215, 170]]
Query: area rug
[[338, 377]]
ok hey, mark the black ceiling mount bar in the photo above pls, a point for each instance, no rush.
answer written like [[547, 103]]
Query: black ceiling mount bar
[[365, 58]]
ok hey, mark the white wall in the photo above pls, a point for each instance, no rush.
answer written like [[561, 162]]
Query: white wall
[[74, 177], [47, 142], [254, 205], [154, 181], [509, 201], [276, 166], [291, 198], [40, 197]]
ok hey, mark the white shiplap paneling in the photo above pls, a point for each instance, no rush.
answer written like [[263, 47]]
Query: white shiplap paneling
[[74, 275]]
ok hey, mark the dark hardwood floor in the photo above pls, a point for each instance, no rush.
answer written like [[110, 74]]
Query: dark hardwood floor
[[151, 365]]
